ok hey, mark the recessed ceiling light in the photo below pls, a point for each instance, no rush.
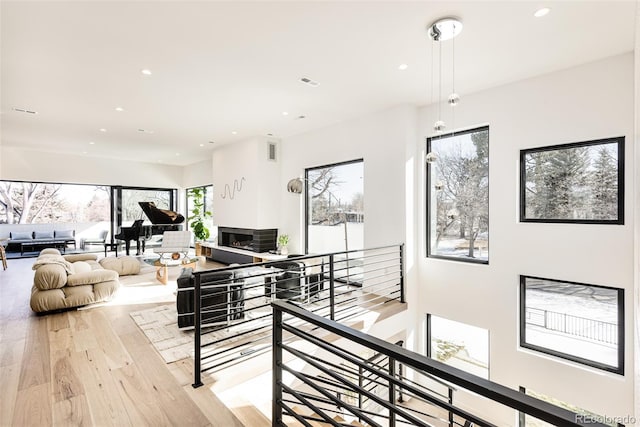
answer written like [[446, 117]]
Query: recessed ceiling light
[[177, 154], [269, 134], [285, 113], [84, 152], [212, 142], [146, 71], [91, 143], [119, 109], [402, 67], [233, 132], [145, 131], [103, 130], [541, 12], [302, 117], [201, 145]]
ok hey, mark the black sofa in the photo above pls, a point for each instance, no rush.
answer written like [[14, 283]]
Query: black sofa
[[222, 298]]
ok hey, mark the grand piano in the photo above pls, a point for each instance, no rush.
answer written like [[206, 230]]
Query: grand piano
[[161, 220]]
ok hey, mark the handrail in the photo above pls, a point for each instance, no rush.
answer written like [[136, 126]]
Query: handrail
[[232, 322], [494, 391]]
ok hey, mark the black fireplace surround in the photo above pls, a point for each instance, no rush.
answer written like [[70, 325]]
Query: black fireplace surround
[[263, 240]]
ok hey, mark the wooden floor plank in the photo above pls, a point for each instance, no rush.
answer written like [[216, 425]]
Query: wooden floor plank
[[33, 407], [9, 379], [36, 364], [73, 411], [103, 391], [108, 341]]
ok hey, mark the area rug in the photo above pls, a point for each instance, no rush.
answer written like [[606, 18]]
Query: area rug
[[160, 325]]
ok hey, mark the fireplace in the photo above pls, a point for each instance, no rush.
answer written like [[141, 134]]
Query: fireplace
[[263, 240]]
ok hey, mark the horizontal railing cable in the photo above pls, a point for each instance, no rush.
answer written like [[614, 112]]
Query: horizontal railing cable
[[495, 392]]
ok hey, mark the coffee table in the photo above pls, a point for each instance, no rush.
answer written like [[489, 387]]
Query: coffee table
[[162, 268]]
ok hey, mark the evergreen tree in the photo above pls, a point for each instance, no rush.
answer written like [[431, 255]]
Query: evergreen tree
[[604, 185]]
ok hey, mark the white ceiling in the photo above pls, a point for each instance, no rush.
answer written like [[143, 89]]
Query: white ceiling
[[223, 67]]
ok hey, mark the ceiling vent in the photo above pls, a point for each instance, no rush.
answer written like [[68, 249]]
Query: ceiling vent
[[23, 110], [309, 82], [272, 151]]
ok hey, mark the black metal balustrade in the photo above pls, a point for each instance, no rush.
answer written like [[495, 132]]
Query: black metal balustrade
[[590, 329], [328, 390], [232, 316]]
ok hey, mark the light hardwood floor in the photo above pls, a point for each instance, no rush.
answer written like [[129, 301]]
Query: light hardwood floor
[[93, 368]]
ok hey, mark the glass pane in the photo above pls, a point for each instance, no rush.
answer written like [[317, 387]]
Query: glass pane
[[583, 416], [575, 183], [40, 203], [575, 320], [460, 345], [458, 167], [131, 210], [335, 196]]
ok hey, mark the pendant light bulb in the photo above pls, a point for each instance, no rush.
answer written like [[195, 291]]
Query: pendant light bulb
[[439, 126], [454, 99]]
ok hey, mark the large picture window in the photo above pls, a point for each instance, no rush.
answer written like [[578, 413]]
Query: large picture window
[[576, 321], [580, 183], [458, 344], [458, 196], [335, 207], [41, 203]]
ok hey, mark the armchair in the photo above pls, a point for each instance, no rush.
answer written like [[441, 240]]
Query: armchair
[[293, 282], [222, 298], [174, 242]]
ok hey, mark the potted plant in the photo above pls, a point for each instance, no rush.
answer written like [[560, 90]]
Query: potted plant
[[283, 241], [197, 217]]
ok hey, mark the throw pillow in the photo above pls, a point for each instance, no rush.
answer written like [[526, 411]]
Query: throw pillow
[[43, 235], [63, 234], [21, 235]]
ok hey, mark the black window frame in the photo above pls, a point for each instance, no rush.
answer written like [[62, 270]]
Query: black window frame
[[429, 253], [620, 140], [566, 356], [307, 204]]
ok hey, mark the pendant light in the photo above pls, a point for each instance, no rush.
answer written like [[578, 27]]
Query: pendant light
[[440, 31]]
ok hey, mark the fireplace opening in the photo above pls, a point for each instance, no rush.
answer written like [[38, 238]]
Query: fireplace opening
[[250, 239]]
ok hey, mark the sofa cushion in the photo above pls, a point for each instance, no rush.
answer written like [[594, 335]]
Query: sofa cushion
[[80, 267], [50, 276], [123, 265], [21, 235], [81, 257], [43, 235], [63, 234], [91, 277], [49, 251]]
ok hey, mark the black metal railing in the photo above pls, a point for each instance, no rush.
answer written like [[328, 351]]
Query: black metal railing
[[316, 392], [232, 313], [590, 329]]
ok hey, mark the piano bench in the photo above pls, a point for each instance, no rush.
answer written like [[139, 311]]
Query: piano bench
[[111, 247]]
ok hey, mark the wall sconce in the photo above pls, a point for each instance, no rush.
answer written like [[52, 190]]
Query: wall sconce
[[295, 186]]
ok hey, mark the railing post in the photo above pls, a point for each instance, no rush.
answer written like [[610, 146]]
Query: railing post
[[197, 381], [392, 392], [276, 368], [402, 272], [332, 289], [450, 403]]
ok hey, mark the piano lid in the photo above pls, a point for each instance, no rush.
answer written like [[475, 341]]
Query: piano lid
[[160, 216]]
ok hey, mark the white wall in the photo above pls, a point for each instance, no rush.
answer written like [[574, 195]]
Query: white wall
[[380, 140], [589, 102], [198, 174], [26, 165], [246, 185]]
